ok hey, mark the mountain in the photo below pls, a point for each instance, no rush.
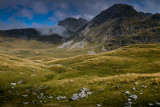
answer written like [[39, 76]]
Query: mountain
[[156, 17], [28, 33], [147, 14], [69, 26], [117, 26], [31, 33], [116, 11], [73, 24]]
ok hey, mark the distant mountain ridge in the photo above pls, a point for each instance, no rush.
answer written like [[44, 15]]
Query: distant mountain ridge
[[71, 24], [32, 34]]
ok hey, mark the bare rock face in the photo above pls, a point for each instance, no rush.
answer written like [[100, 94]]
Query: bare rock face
[[72, 24], [116, 11]]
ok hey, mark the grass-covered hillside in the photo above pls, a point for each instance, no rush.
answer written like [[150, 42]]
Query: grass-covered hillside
[[32, 48], [125, 76]]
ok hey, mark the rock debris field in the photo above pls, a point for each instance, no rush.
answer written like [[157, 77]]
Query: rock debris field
[[40, 97]]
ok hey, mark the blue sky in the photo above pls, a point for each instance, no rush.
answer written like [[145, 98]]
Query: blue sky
[[39, 13]]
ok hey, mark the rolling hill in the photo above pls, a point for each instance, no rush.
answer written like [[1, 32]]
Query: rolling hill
[[113, 59], [108, 76]]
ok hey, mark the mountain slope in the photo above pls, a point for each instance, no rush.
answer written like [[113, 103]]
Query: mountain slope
[[120, 25], [72, 24], [108, 76], [31, 34]]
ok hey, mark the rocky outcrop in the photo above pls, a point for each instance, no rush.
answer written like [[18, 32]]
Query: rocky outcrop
[[72, 24], [82, 93]]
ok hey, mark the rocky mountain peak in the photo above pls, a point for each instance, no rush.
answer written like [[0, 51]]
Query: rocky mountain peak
[[117, 11], [72, 24], [121, 10]]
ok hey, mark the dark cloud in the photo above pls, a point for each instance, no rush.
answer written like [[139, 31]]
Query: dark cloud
[[25, 13], [12, 24], [71, 8]]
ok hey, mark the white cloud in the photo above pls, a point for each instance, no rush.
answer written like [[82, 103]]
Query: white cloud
[[60, 14], [88, 17], [52, 19], [12, 24], [64, 6], [48, 30], [40, 8], [25, 13]]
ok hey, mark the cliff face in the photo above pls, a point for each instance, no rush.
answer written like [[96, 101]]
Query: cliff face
[[73, 24]]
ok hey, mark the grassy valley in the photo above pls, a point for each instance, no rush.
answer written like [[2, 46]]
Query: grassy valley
[[41, 78], [33, 48], [111, 60]]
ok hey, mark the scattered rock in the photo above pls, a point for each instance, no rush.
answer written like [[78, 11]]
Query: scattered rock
[[128, 103], [82, 93], [134, 89], [14, 84], [118, 87], [157, 103], [100, 89], [99, 105], [129, 100], [20, 82], [150, 104], [74, 97], [60, 97], [26, 103], [104, 49], [24, 95], [51, 97], [127, 92], [155, 87], [136, 83], [133, 96], [89, 93], [144, 86], [34, 93]]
